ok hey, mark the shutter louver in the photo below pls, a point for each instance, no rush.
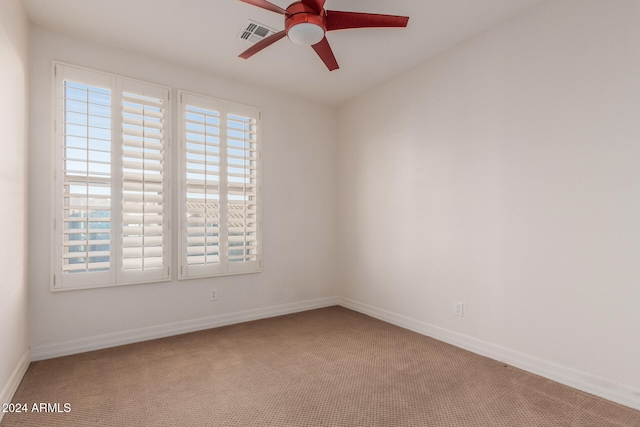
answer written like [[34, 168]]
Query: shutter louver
[[242, 188], [86, 220], [143, 237]]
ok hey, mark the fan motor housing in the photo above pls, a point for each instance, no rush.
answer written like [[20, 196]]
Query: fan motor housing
[[298, 13]]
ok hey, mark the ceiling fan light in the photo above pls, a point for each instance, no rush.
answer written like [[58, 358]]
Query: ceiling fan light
[[306, 34]]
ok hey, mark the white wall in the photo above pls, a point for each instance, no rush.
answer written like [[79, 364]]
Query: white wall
[[14, 339], [299, 218], [505, 174]]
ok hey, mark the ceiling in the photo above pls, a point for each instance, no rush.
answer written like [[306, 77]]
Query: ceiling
[[203, 34]]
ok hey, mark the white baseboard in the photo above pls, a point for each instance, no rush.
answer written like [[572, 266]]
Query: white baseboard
[[14, 381], [598, 386], [143, 334]]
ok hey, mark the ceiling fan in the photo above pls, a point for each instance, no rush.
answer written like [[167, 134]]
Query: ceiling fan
[[306, 23]]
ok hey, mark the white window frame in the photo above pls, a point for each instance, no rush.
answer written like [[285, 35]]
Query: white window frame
[[223, 267], [116, 275]]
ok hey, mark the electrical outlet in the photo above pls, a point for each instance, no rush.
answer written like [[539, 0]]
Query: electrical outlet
[[213, 294], [458, 308]]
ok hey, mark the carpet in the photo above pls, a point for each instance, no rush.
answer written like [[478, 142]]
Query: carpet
[[327, 367]]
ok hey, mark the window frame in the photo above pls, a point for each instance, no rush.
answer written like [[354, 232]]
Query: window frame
[[220, 269], [118, 85]]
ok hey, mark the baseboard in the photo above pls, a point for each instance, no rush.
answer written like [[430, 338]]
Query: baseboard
[[143, 334], [14, 381], [598, 386]]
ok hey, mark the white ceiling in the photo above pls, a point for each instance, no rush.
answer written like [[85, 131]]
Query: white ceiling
[[203, 34]]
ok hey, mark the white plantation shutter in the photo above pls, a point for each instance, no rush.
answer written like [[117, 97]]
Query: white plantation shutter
[[242, 188], [220, 227], [144, 228], [84, 210], [202, 190], [110, 180]]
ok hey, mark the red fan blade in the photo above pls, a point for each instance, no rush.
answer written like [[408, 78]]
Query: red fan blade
[[316, 5], [266, 5], [262, 44], [326, 54], [337, 20]]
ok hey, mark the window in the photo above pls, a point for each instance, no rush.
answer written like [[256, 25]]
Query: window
[[220, 187], [111, 178]]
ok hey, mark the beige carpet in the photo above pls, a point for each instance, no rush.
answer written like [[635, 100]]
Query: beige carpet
[[328, 367]]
